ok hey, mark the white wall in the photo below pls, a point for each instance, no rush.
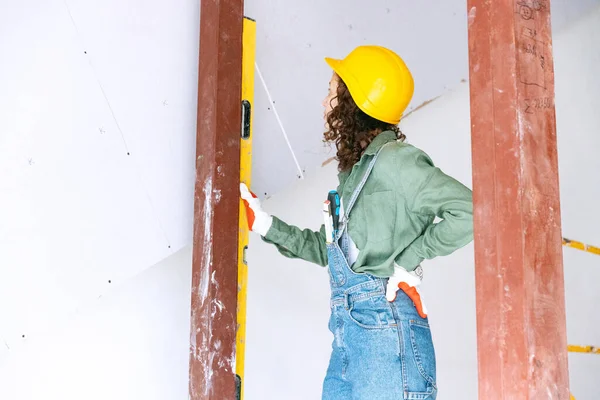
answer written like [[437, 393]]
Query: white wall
[[578, 119], [84, 83], [288, 340], [132, 344]]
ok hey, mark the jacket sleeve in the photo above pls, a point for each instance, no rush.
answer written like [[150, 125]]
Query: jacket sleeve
[[295, 243], [430, 192]]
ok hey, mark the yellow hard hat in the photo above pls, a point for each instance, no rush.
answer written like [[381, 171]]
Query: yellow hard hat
[[378, 80]]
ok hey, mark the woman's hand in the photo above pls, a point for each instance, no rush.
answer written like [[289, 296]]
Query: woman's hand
[[258, 220], [409, 282]]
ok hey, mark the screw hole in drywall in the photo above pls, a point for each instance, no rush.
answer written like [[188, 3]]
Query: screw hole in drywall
[[109, 281], [23, 336], [128, 154]]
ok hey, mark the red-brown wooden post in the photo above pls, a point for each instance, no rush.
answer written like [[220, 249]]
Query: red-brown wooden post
[[216, 202], [521, 333]]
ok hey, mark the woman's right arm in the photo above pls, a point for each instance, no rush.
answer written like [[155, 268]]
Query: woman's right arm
[[289, 240], [293, 242]]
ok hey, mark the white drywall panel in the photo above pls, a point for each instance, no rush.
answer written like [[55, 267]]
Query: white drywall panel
[[133, 343], [145, 55], [97, 143]]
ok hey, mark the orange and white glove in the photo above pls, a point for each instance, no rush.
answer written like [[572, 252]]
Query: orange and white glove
[[409, 283], [258, 220]]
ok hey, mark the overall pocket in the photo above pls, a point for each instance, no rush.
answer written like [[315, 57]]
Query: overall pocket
[[419, 357], [380, 214], [372, 312]]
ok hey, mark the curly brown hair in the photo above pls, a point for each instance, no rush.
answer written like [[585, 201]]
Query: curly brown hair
[[351, 129]]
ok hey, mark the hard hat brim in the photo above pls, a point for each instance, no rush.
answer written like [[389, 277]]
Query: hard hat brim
[[337, 66]]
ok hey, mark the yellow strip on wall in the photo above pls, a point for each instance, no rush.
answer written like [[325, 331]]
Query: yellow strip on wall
[[581, 246], [584, 349]]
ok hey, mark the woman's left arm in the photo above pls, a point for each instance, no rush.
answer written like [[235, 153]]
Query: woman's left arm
[[429, 191]]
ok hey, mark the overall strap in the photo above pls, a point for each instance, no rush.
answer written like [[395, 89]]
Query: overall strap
[[362, 184]]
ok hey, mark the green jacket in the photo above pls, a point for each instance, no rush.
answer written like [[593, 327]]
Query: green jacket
[[393, 218]]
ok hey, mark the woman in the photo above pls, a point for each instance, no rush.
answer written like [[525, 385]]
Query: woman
[[390, 194]]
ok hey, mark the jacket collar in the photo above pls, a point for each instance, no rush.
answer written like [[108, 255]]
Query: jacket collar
[[378, 142]]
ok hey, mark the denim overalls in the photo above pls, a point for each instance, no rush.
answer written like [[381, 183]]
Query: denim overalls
[[381, 350]]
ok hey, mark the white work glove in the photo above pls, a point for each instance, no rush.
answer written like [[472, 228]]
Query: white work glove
[[409, 282], [258, 220]]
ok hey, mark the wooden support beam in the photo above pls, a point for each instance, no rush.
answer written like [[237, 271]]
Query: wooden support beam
[[521, 333], [216, 202]]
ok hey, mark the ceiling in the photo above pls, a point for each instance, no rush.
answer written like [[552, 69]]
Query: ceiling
[[294, 37]]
